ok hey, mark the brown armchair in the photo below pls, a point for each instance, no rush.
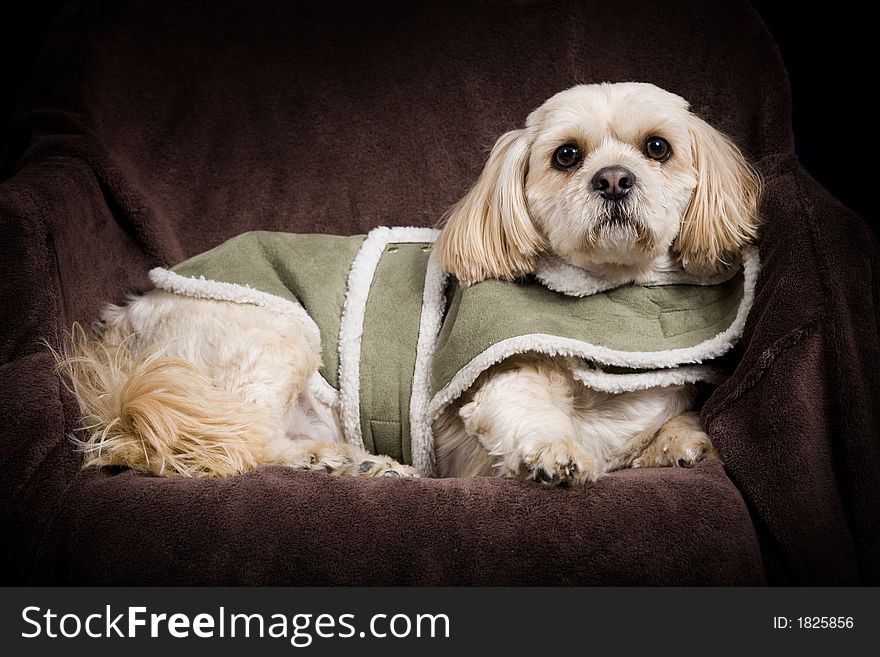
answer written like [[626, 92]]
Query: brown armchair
[[151, 131]]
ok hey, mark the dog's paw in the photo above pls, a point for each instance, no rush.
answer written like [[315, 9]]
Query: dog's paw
[[681, 442], [687, 451], [382, 466], [555, 462], [323, 458], [341, 460]]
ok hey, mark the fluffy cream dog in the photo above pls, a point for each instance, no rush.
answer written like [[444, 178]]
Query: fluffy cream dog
[[619, 180]]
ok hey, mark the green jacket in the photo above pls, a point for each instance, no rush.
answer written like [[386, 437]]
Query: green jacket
[[400, 340]]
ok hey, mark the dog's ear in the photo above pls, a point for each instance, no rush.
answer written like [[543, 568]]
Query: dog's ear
[[489, 233], [723, 213]]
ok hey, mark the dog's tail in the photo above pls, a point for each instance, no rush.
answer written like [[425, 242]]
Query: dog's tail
[[157, 414]]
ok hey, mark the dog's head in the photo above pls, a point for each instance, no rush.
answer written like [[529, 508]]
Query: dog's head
[[604, 176]]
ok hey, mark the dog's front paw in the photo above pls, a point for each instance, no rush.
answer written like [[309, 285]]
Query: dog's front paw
[[687, 451], [681, 442], [556, 462]]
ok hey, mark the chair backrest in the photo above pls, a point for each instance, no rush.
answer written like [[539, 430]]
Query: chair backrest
[[214, 118]]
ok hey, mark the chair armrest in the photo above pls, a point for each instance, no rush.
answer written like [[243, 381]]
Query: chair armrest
[[796, 423], [65, 254]]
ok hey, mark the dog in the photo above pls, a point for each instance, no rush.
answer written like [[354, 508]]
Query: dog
[[620, 183]]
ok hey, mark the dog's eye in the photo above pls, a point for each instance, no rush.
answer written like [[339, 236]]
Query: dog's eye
[[657, 148], [566, 156]]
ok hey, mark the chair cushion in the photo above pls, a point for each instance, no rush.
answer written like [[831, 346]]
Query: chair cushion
[[665, 526]]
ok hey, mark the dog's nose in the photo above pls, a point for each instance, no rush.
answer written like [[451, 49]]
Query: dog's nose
[[613, 183]]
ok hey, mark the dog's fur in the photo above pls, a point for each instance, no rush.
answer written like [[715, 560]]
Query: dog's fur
[[180, 386]]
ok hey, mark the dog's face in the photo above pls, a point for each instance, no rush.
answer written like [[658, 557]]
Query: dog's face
[[610, 175]]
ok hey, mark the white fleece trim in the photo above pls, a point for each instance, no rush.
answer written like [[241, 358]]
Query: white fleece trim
[[557, 346], [351, 328], [560, 276], [205, 288], [420, 431], [596, 379], [323, 391]]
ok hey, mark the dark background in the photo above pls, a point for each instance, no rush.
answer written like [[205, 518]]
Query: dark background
[[825, 48]]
